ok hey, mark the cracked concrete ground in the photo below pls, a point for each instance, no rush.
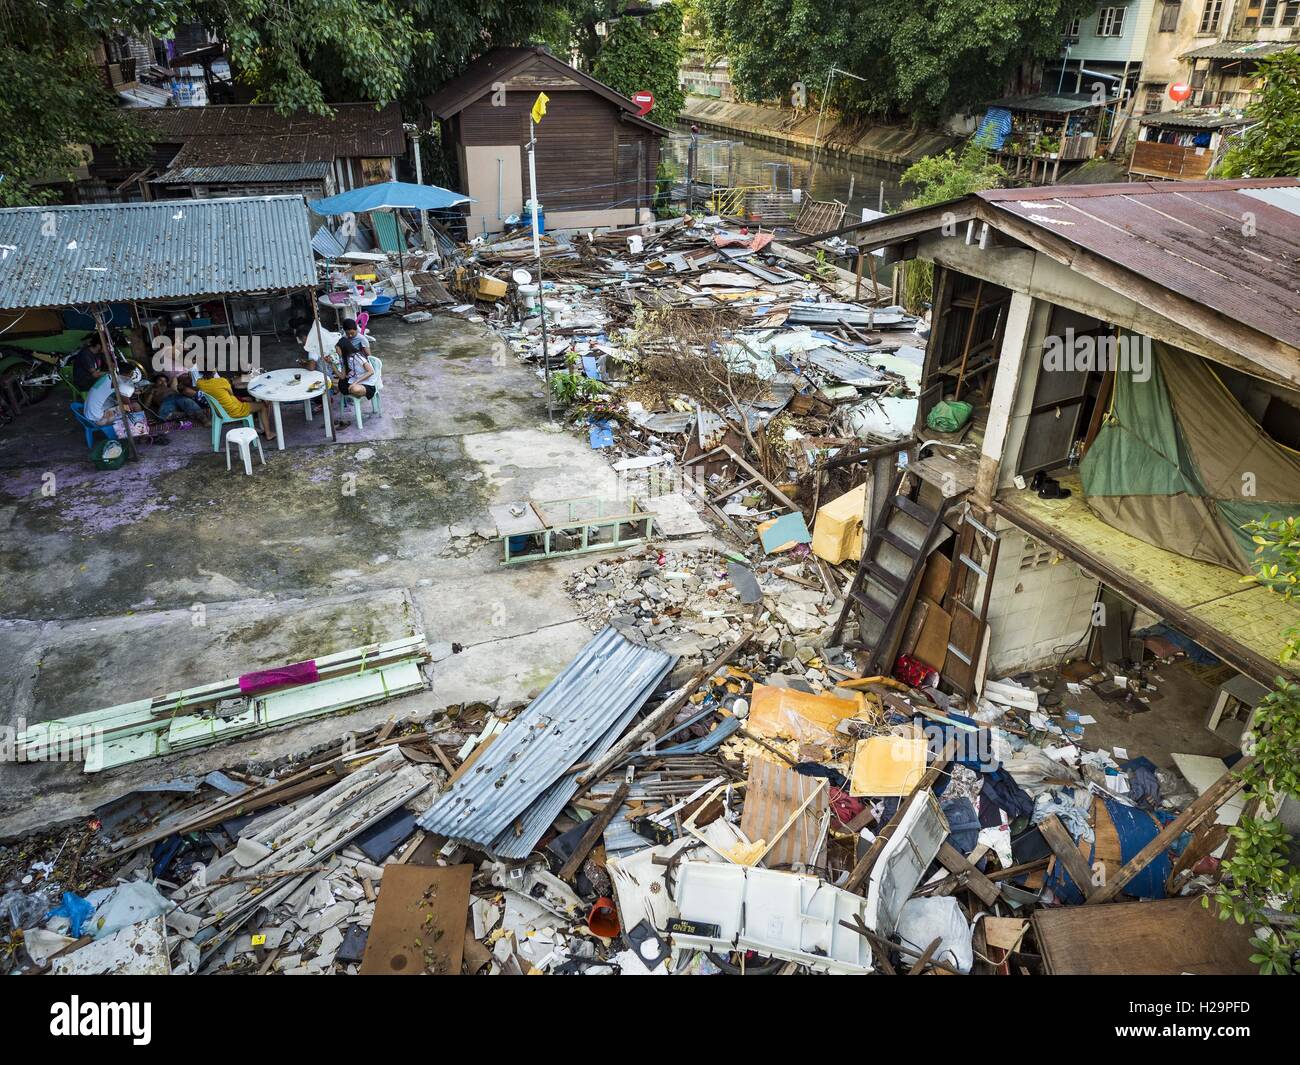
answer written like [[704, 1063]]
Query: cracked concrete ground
[[174, 572]]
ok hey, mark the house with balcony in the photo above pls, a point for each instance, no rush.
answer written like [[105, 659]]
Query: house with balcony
[[1103, 48], [1040, 137], [1133, 365], [1214, 47]]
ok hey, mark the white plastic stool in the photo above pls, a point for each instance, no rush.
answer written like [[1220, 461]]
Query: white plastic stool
[[244, 437]]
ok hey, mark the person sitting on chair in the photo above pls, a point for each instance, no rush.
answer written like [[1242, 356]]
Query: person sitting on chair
[[353, 332], [89, 364], [358, 374], [168, 401], [101, 404], [219, 390]]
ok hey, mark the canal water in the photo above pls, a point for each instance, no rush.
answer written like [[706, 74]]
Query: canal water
[[726, 160]]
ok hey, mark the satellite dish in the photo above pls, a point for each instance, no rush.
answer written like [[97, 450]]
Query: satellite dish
[[522, 277]]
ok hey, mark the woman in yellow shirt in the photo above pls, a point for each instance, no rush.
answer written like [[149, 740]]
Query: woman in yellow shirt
[[217, 388]]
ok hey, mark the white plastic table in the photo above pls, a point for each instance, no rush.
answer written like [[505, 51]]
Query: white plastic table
[[290, 386]]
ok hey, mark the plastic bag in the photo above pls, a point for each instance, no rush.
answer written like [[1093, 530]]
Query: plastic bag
[[76, 909], [128, 904], [948, 415], [922, 921], [24, 910]]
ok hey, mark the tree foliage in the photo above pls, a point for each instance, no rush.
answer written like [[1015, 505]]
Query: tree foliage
[[1260, 879], [645, 52], [299, 55], [922, 59], [937, 179], [52, 99], [1270, 147]]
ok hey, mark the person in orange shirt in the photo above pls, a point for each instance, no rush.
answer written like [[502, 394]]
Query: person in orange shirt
[[218, 389]]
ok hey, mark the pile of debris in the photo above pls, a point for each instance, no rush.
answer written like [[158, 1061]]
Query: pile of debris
[[642, 814]]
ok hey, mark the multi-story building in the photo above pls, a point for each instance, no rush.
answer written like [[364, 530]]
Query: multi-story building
[[1104, 47], [1214, 45]]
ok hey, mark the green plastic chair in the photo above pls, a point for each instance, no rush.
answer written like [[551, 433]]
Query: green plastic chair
[[220, 418]]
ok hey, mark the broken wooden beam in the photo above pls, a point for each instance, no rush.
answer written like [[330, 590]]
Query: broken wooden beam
[[955, 862], [1215, 796], [1067, 851], [594, 830]]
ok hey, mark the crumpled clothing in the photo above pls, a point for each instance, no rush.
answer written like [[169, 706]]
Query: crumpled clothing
[[1032, 767], [1144, 785], [911, 671], [1001, 792], [1075, 820], [963, 823]]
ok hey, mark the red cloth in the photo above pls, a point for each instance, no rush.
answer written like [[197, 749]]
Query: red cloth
[[264, 679], [911, 671]]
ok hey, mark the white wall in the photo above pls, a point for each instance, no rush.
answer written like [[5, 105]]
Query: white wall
[[1041, 603]]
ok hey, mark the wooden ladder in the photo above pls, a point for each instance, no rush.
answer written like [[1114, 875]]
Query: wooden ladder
[[891, 563], [974, 562]]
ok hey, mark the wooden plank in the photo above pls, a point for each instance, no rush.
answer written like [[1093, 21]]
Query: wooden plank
[[595, 829], [924, 960], [955, 862], [1163, 937], [1206, 805], [1067, 852], [419, 923]]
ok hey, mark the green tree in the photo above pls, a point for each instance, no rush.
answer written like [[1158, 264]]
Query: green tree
[[52, 99], [1259, 884], [645, 52], [302, 55], [938, 179], [1271, 146], [919, 59]]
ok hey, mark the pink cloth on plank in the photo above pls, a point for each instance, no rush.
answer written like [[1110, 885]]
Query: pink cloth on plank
[[263, 679]]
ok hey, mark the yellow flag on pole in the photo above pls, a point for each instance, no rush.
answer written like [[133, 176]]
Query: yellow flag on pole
[[539, 106]]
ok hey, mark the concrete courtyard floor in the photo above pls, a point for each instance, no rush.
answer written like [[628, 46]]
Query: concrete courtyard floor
[[173, 572]]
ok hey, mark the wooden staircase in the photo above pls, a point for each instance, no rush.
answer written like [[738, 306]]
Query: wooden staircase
[[891, 563]]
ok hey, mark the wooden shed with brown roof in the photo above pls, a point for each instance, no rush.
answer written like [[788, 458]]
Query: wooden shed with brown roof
[[596, 156], [252, 149]]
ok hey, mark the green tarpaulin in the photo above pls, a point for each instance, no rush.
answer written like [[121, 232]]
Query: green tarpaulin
[[1179, 464]]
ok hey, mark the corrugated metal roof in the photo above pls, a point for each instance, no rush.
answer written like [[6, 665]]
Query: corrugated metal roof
[[1049, 103], [62, 256], [584, 709], [1216, 242], [244, 173], [1239, 50], [1192, 120]]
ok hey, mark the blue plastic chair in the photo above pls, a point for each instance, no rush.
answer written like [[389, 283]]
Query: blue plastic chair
[[91, 428], [221, 418]]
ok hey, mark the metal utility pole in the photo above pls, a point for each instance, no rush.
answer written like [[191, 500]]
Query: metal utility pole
[[821, 111], [413, 133], [537, 254], [691, 150]]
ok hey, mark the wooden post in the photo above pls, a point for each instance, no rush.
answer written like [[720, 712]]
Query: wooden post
[[101, 327], [970, 335], [1015, 341], [595, 827]]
